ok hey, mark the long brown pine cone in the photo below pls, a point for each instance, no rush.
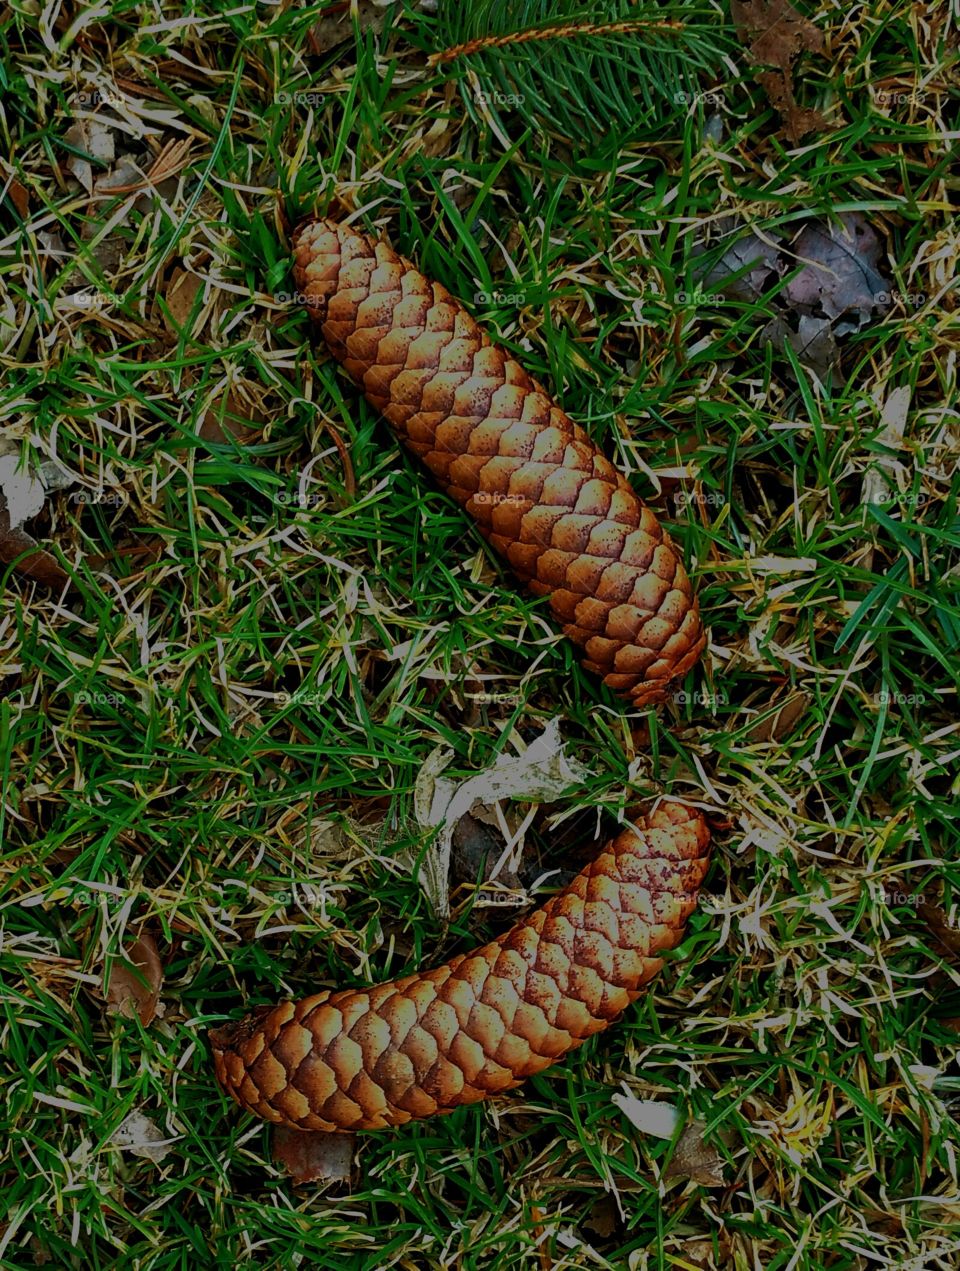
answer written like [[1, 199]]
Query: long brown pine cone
[[571, 528], [362, 1059], [567, 522]]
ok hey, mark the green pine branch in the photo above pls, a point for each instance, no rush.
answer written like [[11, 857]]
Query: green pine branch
[[564, 64]]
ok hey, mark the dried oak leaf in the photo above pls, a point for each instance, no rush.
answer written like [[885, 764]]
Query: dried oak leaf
[[840, 279], [692, 1156], [777, 35], [135, 983], [309, 1155], [180, 297]]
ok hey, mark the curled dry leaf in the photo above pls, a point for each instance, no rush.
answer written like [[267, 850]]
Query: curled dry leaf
[[834, 285], [543, 773], [140, 1136], [776, 34], [692, 1157], [309, 1155], [95, 139], [749, 266], [181, 310], [696, 1159], [813, 343], [839, 279], [135, 981]]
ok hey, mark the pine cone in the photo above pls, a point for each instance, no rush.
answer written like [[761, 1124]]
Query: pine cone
[[569, 525], [362, 1059]]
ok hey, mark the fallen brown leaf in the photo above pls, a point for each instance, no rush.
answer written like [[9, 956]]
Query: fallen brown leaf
[[336, 25], [779, 725], [748, 267], [813, 343], [777, 35], [22, 492], [235, 419], [696, 1159], [835, 286], [604, 1217], [840, 277], [309, 1155], [19, 196], [39, 565], [135, 981], [180, 294], [939, 925]]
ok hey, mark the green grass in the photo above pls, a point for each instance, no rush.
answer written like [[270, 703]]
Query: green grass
[[238, 696]]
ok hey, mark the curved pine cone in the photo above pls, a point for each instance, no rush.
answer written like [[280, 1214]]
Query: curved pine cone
[[568, 523], [362, 1059]]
